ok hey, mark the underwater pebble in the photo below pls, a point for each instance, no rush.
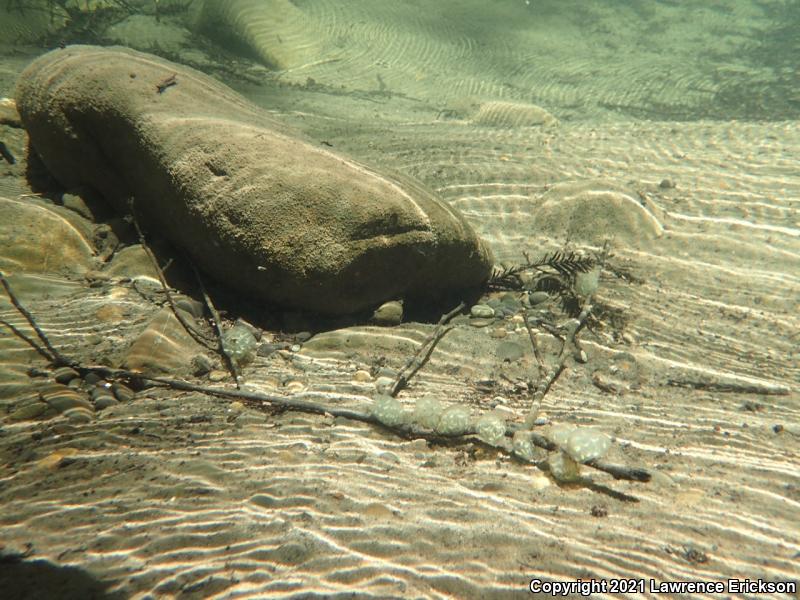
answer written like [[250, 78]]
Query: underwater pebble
[[270, 348], [538, 298], [389, 411], [498, 333], [384, 384], [29, 411], [65, 375], [362, 376], [191, 306], [122, 392], [63, 400], [454, 421], [482, 311], [216, 375], [79, 415], [104, 402], [427, 412], [418, 445], [388, 313], [295, 347], [295, 387], [93, 379], [201, 364], [480, 322]]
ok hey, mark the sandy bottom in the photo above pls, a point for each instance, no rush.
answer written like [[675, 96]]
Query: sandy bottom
[[182, 495]]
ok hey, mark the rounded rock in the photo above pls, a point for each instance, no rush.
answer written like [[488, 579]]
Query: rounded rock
[[482, 311], [388, 313]]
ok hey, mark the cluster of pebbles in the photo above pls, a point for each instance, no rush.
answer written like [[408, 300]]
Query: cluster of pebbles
[[68, 393]]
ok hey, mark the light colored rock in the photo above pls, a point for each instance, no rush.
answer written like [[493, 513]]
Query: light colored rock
[[499, 113], [389, 313], [39, 240], [265, 212], [163, 347], [592, 211]]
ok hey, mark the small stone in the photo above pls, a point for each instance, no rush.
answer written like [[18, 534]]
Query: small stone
[[216, 375], [29, 411], [388, 313], [294, 387], [65, 399], [480, 322], [103, 402], [666, 184], [498, 333], [362, 376], [122, 392], [92, 379], [538, 298], [201, 364], [79, 415], [270, 348], [384, 384], [8, 113], [482, 311], [65, 375], [295, 347], [418, 445], [191, 306]]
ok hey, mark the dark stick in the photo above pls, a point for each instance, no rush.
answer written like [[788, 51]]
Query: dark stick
[[218, 328], [423, 353], [186, 325]]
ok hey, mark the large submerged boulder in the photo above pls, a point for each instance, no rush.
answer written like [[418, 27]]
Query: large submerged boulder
[[257, 207]]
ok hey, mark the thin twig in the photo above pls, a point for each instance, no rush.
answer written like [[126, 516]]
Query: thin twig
[[196, 335], [423, 353], [56, 358], [536, 351], [215, 319]]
